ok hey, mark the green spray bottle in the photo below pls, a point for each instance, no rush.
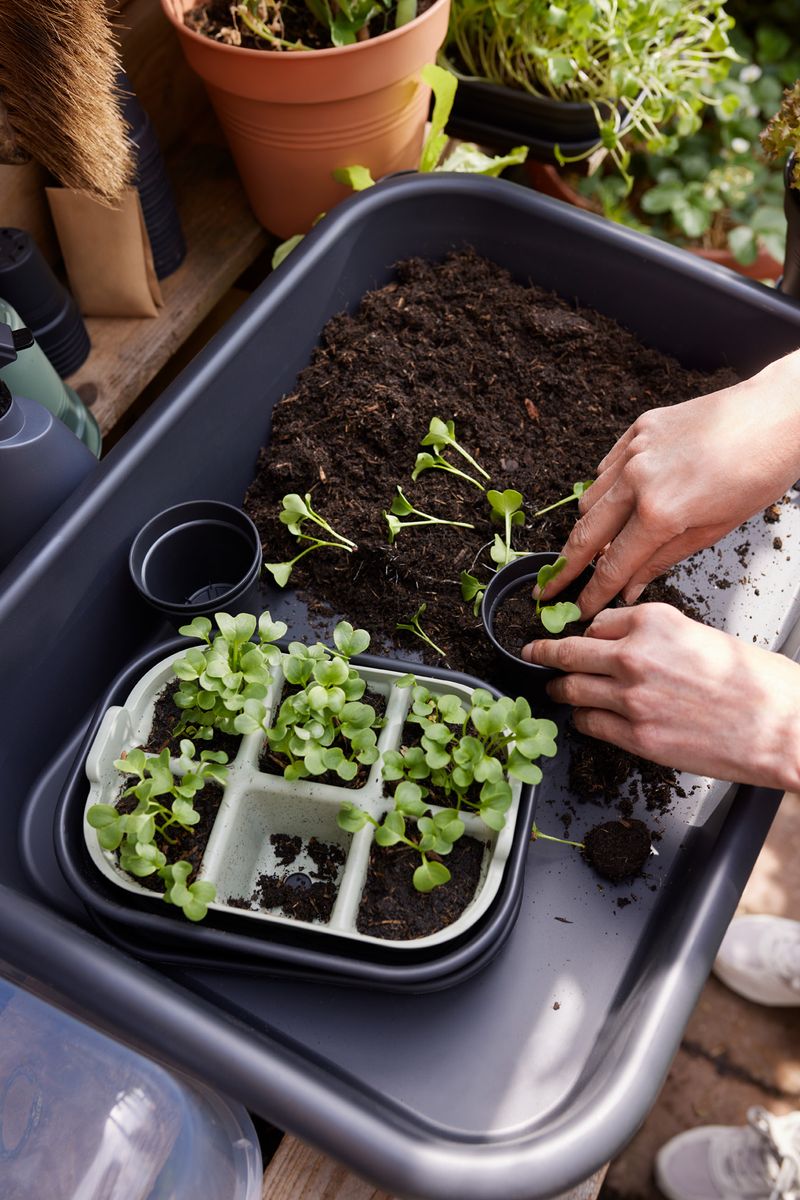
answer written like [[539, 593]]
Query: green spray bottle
[[33, 375]]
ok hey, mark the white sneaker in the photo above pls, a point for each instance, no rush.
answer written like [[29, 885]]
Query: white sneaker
[[760, 959], [760, 1161]]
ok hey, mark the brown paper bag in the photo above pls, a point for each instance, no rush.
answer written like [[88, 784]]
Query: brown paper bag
[[106, 253]]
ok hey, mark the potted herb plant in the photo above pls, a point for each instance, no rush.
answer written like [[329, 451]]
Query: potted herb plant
[[781, 139], [712, 193], [572, 79], [346, 794], [304, 88]]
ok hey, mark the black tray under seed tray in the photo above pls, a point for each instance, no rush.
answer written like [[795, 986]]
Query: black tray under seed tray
[[520, 1081], [160, 933]]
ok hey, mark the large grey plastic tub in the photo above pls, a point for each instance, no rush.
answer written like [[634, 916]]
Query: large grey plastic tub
[[574, 1025]]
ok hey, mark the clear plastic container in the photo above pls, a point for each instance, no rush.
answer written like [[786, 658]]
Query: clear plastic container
[[84, 1118]]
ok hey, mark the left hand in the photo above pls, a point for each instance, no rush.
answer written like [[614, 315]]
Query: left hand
[[681, 694]]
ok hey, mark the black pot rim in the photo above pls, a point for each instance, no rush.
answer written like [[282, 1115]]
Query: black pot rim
[[194, 511], [512, 578]]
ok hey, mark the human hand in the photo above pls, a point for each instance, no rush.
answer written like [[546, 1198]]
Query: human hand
[[681, 694], [680, 478]]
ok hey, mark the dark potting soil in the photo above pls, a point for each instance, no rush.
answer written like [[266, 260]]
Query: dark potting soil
[[618, 850], [392, 908], [515, 622], [291, 23], [188, 845], [303, 895], [539, 391], [167, 716]]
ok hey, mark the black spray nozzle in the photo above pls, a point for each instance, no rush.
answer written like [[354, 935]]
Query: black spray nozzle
[[11, 342]]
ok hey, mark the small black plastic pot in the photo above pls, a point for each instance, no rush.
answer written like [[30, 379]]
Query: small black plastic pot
[[159, 210], [198, 558], [520, 575], [790, 281], [44, 304], [503, 117]]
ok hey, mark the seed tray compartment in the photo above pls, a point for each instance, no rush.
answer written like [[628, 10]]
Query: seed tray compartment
[[557, 1090]]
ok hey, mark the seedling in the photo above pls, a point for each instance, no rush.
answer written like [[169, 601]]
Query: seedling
[[472, 590], [165, 798], [466, 754], [412, 625], [402, 507], [322, 726], [232, 671], [577, 491], [536, 834], [296, 512], [428, 462], [437, 834], [443, 433], [554, 617], [506, 507]]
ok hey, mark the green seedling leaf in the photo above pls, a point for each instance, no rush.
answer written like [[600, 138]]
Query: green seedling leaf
[[506, 504], [408, 799], [555, 616], [443, 85], [578, 490], [442, 434], [392, 830], [350, 641], [351, 818], [280, 572], [199, 628], [430, 875]]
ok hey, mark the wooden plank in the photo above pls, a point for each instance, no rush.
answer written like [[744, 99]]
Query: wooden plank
[[223, 238], [299, 1173]]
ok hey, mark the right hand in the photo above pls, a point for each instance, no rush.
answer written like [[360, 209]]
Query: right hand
[[680, 478]]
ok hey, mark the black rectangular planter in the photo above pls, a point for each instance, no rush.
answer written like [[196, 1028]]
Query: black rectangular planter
[[575, 1023]]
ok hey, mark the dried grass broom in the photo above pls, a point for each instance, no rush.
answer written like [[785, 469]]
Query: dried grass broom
[[58, 66]]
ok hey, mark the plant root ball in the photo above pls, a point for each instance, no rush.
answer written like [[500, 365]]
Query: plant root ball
[[617, 850]]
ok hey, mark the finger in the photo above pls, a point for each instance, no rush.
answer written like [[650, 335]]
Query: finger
[[602, 483], [572, 654], [627, 554], [612, 623], [605, 726], [617, 450], [673, 552], [588, 691], [590, 534]]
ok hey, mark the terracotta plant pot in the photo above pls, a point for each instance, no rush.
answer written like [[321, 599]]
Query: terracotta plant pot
[[293, 117], [551, 182]]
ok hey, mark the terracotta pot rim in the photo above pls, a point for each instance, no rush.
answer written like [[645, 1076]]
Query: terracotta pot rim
[[303, 55]]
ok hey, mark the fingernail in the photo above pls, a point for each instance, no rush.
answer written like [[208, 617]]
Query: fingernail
[[527, 652]]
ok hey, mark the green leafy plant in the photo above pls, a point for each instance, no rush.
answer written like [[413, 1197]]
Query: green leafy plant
[[344, 21], [638, 64], [472, 591], [782, 134], [412, 625], [577, 491], [465, 158], [714, 190], [322, 726], [402, 507], [436, 834], [218, 682], [441, 435], [295, 514], [554, 617], [463, 760], [506, 507], [165, 798], [428, 462]]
